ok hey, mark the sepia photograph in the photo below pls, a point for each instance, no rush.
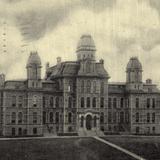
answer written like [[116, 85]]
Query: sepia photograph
[[79, 79]]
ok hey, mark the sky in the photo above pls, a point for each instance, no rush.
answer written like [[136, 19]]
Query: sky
[[120, 28]]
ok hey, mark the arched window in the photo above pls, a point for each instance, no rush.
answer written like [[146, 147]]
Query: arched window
[[102, 88], [82, 86], [115, 102], [94, 87], [102, 118], [13, 117], [82, 102], [88, 102], [137, 117], [51, 101], [57, 102], [82, 121], [57, 117], [20, 117], [88, 86], [70, 102], [69, 117], [51, 117], [94, 102], [95, 121]]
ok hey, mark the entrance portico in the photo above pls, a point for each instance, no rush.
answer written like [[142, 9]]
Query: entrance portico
[[89, 121]]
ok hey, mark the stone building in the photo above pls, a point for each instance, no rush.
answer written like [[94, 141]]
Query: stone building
[[76, 98]]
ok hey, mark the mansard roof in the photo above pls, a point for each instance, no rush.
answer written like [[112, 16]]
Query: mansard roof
[[71, 68]]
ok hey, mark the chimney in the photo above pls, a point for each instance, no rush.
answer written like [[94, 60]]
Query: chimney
[[148, 81], [101, 61], [58, 60]]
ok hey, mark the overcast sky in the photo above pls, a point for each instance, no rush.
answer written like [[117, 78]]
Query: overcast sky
[[120, 29]]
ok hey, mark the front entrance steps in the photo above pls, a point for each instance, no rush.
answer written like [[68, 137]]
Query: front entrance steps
[[90, 133]]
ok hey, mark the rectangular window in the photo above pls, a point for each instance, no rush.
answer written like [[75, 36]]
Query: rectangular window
[[34, 101], [153, 103], [137, 117], [109, 103], [137, 130], [20, 117], [102, 102], [44, 102], [148, 117], [153, 130], [148, 102], [13, 131], [115, 103], [121, 117], [153, 117], [34, 130], [20, 101], [51, 102], [126, 117], [13, 101], [109, 117], [114, 117], [137, 102], [88, 102], [121, 103], [34, 117], [13, 118]]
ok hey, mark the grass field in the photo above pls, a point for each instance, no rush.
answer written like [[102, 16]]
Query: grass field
[[147, 147], [59, 149]]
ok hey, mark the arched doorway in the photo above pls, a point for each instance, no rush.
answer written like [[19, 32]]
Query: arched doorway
[[88, 122]]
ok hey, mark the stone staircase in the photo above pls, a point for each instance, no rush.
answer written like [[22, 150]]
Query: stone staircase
[[47, 132], [90, 133]]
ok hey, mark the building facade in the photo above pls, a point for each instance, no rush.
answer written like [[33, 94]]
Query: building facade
[[75, 98]]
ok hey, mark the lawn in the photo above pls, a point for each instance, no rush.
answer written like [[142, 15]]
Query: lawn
[[59, 149], [147, 147]]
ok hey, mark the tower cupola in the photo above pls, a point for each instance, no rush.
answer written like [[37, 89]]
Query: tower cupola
[[34, 70], [86, 48], [134, 73]]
